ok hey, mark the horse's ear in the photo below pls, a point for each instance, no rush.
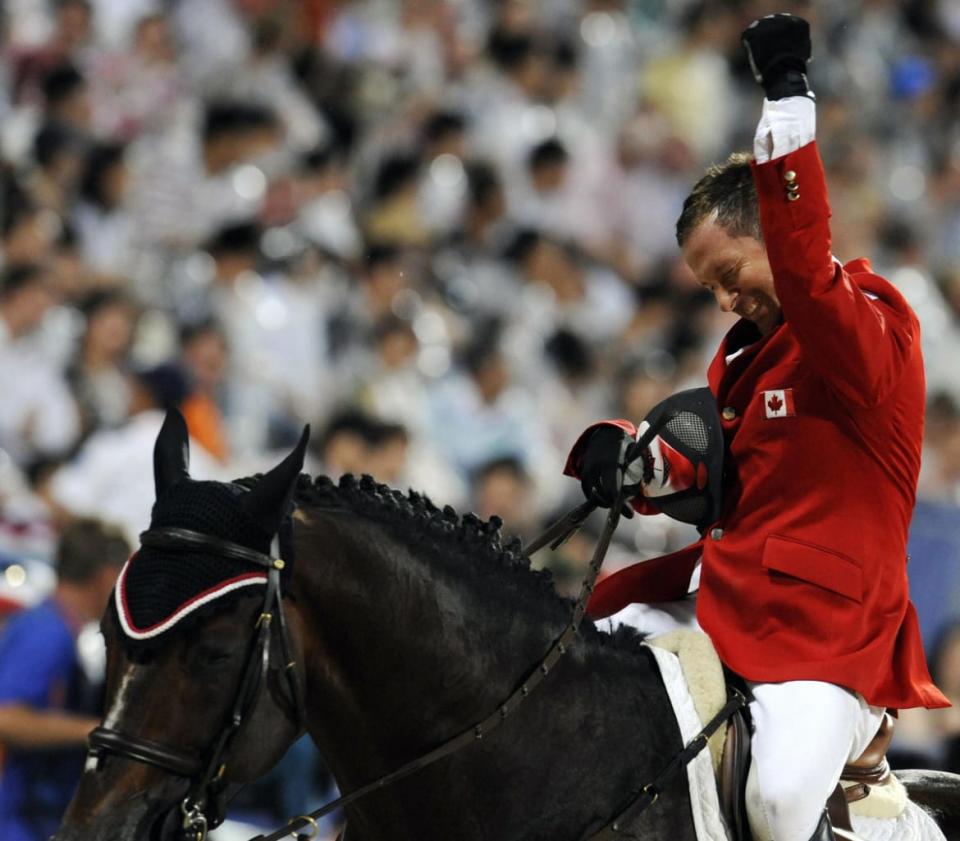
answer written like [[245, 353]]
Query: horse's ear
[[267, 500], [171, 453]]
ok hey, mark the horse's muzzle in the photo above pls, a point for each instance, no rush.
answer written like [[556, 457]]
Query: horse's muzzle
[[133, 821]]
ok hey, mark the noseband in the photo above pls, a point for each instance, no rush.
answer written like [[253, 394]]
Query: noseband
[[206, 773]]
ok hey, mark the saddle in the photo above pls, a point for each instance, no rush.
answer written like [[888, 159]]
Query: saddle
[[870, 770]]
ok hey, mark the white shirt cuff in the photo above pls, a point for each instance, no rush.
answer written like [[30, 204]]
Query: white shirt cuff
[[785, 126]]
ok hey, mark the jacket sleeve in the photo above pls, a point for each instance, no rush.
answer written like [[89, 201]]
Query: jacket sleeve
[[858, 343], [574, 459]]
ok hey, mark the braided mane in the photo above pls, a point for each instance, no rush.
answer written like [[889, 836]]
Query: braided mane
[[421, 525], [417, 521]]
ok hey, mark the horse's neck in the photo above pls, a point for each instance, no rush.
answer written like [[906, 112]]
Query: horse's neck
[[400, 636], [405, 656]]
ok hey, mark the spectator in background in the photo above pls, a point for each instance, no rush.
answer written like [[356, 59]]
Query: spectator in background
[[502, 488], [67, 98], [482, 413], [68, 41], [234, 252], [29, 232], [384, 279], [394, 213], [48, 705], [476, 280], [267, 79], [644, 189], [140, 89], [393, 387], [205, 359], [443, 183], [504, 107], [342, 447], [103, 220], [547, 201], [573, 292], [99, 372], [355, 442], [189, 185], [38, 416], [326, 214], [691, 83], [58, 153], [940, 470], [112, 474]]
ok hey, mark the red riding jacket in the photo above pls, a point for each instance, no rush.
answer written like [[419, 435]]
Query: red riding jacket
[[804, 576]]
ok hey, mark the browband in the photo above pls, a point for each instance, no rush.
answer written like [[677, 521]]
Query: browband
[[185, 540]]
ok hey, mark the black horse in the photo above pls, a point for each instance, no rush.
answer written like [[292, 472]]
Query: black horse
[[407, 624]]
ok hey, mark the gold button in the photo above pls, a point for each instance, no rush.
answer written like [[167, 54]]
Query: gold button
[[729, 413], [790, 176], [793, 195]]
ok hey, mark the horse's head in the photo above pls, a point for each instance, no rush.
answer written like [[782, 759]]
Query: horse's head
[[202, 689]]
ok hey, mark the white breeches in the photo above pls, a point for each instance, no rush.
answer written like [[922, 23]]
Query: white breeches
[[804, 731]]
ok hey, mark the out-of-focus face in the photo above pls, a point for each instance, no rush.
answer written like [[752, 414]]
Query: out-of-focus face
[[504, 493], [736, 270], [31, 238], [551, 265], [397, 349], [549, 177], [153, 41], [110, 331], [207, 357], [388, 461], [24, 311]]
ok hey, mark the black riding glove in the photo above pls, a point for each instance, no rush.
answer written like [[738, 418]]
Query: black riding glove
[[601, 471], [778, 47]]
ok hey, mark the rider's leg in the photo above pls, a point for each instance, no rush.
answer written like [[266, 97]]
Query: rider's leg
[[804, 733]]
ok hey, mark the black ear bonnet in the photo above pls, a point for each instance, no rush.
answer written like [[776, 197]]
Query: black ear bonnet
[[159, 587]]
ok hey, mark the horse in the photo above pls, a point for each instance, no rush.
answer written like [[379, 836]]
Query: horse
[[403, 624]]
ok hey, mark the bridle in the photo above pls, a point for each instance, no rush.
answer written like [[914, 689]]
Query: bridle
[[202, 807], [206, 774]]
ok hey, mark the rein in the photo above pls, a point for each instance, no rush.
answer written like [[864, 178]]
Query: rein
[[555, 536]]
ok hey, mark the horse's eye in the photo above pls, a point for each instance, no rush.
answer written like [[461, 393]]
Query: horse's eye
[[210, 656]]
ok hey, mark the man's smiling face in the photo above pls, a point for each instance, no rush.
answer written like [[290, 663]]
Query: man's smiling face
[[736, 270]]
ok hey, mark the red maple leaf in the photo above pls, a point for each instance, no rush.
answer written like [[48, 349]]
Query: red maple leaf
[[775, 404]]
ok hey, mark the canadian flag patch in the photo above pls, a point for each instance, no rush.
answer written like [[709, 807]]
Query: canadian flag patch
[[779, 403]]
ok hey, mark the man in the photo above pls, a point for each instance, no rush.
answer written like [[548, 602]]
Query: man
[[47, 704], [803, 585]]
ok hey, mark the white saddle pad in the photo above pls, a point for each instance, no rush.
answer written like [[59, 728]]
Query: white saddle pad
[[697, 700]]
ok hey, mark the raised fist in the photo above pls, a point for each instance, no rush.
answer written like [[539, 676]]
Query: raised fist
[[778, 47]]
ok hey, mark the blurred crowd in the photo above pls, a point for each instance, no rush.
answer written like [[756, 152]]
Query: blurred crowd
[[439, 231]]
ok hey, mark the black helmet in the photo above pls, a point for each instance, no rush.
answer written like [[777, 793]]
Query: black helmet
[[677, 461]]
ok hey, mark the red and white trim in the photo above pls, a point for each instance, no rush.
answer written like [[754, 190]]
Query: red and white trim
[[188, 607]]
